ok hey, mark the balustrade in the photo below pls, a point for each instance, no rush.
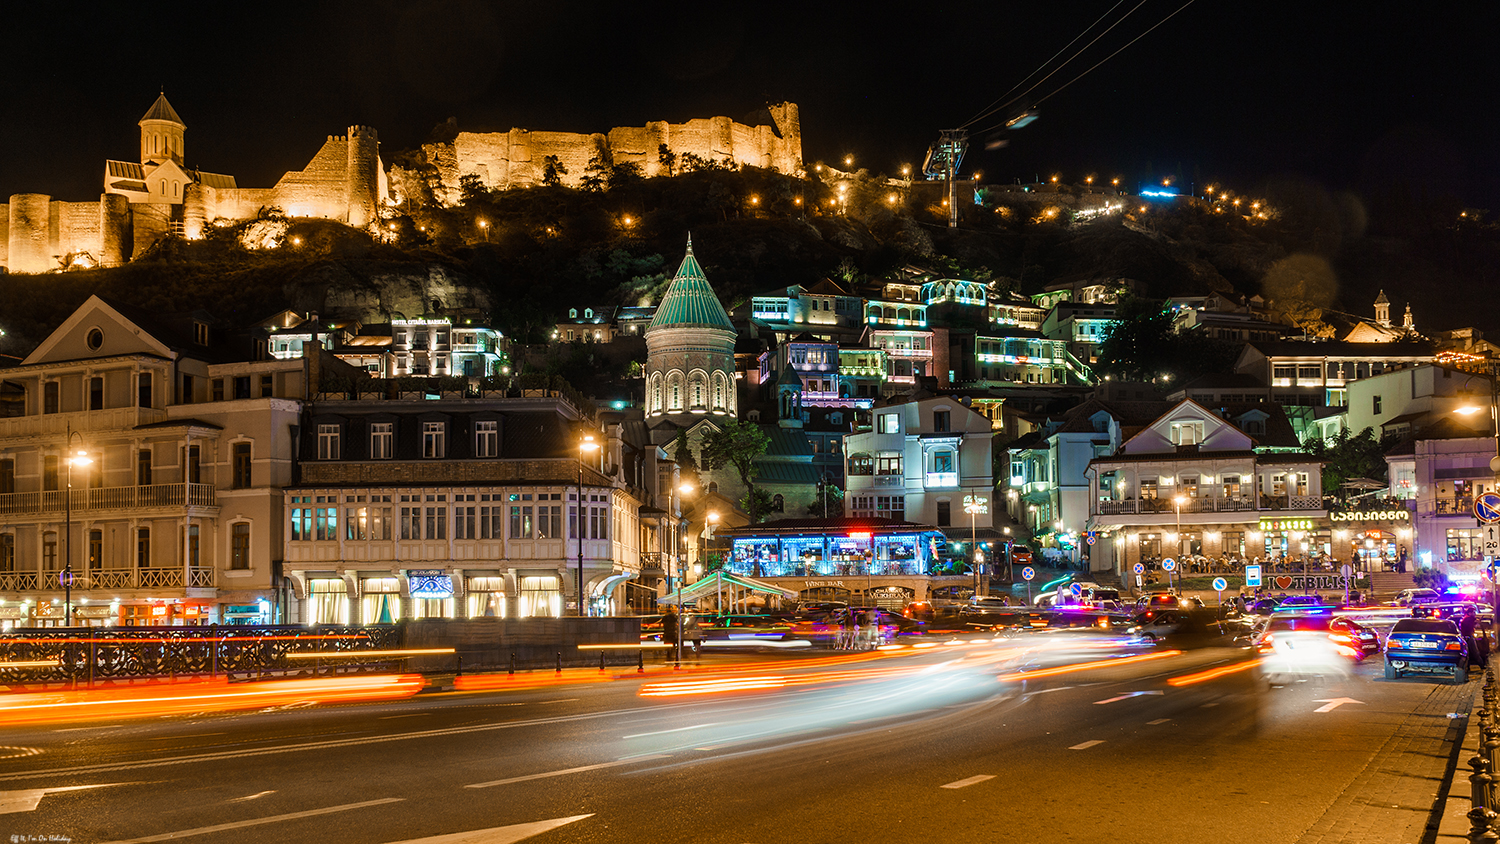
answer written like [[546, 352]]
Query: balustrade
[[174, 577], [109, 498]]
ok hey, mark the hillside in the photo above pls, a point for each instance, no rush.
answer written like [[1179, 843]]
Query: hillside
[[524, 256]]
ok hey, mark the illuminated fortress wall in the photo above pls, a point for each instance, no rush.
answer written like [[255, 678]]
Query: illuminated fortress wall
[[517, 158], [37, 231]]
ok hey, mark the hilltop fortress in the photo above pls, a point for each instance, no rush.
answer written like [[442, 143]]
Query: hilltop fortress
[[159, 196], [772, 139]]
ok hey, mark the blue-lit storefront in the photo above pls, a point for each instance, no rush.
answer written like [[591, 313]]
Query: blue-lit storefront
[[832, 548]]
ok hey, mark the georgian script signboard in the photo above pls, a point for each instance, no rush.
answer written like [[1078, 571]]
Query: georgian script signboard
[[1370, 516]]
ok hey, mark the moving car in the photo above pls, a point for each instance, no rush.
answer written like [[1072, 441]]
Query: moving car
[[1426, 646], [1303, 644], [1407, 597], [1364, 638], [990, 610], [1152, 600], [1154, 625]]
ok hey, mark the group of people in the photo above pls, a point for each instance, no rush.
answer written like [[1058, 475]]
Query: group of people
[[859, 629]]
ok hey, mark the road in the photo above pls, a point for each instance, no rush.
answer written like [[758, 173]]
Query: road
[[946, 743]]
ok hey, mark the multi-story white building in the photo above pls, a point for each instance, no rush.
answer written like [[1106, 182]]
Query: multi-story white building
[[926, 461], [1193, 482], [176, 449], [466, 507]]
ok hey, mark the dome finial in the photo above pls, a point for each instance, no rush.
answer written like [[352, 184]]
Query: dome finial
[[690, 243]]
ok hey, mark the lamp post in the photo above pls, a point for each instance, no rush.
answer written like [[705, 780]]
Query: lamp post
[[683, 489], [708, 535], [973, 504], [1178, 501], [81, 458], [585, 447]]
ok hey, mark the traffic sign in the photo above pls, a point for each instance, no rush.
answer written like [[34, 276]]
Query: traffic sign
[[1220, 584], [1346, 570], [1487, 507], [1138, 583], [1140, 568], [1028, 573], [1090, 539], [1492, 540], [1169, 564], [1076, 588], [1252, 576]]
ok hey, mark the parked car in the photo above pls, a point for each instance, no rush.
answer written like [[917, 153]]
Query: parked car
[[1426, 646]]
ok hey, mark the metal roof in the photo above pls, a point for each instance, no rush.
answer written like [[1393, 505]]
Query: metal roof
[[162, 110], [690, 301]]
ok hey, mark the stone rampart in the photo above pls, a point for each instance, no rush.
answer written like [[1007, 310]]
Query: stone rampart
[[516, 158]]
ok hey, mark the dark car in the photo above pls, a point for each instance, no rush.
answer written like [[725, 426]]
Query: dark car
[[1426, 646], [1363, 637], [1154, 625], [1155, 600], [989, 610]]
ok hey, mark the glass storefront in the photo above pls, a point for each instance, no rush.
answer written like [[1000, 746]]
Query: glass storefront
[[485, 598], [540, 596], [327, 601], [381, 600]]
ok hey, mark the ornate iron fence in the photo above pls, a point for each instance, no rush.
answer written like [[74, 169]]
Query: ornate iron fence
[[80, 656]]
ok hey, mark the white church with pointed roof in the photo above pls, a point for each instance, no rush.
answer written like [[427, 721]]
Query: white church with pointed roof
[[690, 352]]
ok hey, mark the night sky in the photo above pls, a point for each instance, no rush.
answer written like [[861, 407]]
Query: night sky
[[1348, 96]]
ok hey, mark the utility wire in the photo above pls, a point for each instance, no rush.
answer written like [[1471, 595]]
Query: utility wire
[[987, 110], [1115, 53], [1065, 63]]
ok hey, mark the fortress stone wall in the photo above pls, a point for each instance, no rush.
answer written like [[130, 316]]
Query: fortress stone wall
[[517, 158], [37, 231]]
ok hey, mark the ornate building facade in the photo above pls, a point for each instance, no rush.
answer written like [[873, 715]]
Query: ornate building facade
[[690, 352]]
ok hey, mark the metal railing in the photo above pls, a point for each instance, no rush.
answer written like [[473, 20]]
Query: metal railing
[[1166, 506], [109, 498], [173, 577]]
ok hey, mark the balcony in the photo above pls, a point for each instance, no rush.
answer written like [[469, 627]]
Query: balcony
[[942, 480], [109, 498], [889, 481], [1454, 506], [907, 353], [195, 577], [114, 419], [1233, 504]]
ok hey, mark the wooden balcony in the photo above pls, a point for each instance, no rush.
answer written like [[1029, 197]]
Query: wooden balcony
[[109, 498], [173, 577]]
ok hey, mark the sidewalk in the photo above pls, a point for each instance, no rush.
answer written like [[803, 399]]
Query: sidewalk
[[1398, 798], [1453, 823]]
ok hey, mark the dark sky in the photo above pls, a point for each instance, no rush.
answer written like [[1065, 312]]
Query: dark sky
[[1339, 93]]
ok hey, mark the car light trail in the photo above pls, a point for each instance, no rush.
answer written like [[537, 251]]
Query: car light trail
[[1211, 674], [211, 695], [362, 654], [1083, 666]]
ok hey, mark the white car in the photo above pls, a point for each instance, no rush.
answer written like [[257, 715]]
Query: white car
[[1407, 597]]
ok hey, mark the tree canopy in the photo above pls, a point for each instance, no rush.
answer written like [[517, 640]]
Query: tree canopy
[[1143, 344], [1359, 455], [738, 444]]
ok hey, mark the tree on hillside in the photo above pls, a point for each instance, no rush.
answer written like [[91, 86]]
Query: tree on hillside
[[668, 159], [471, 189], [597, 173], [553, 170], [1142, 344], [1359, 455], [738, 444]]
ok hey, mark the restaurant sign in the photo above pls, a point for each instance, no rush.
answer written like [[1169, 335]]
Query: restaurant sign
[[1370, 516]]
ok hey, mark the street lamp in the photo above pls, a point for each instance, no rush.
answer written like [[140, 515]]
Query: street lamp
[[973, 505], [708, 535], [1179, 501], [484, 226], [586, 447], [81, 458]]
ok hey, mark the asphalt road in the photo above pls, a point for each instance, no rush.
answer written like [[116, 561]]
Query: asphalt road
[[945, 744]]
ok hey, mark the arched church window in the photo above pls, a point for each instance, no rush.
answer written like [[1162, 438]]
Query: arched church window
[[778, 503]]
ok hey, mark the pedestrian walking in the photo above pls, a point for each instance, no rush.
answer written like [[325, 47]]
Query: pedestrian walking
[[670, 630]]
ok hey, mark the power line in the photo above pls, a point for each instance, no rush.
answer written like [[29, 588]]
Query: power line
[[988, 110], [1115, 53], [1065, 63]]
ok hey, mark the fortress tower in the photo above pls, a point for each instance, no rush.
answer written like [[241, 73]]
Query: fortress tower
[[363, 176], [690, 351], [161, 134]]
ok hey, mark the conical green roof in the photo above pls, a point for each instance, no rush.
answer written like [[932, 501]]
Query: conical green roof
[[162, 110], [690, 301]]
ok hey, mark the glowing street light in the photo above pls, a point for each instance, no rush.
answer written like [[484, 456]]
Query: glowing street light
[[77, 458], [484, 226], [848, 161], [586, 447]]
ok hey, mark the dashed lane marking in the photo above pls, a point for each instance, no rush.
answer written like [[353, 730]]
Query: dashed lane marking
[[204, 830], [968, 781], [1086, 745], [499, 834], [1157, 721], [18, 752], [578, 770]]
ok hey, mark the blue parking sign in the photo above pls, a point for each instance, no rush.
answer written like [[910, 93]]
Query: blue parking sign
[[1252, 576]]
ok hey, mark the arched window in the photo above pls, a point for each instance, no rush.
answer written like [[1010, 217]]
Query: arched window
[[176, 186], [874, 312], [713, 486], [719, 392], [890, 313], [903, 313], [778, 503], [674, 390]]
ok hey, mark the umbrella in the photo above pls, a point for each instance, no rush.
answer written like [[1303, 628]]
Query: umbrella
[[1363, 483]]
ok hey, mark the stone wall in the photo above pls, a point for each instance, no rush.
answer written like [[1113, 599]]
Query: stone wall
[[37, 231], [486, 644], [515, 158]]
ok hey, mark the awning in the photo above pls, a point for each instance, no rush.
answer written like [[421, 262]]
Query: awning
[[719, 580], [608, 584]]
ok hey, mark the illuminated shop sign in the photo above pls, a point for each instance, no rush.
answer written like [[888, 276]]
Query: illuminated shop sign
[[430, 583], [1287, 524], [1371, 516]]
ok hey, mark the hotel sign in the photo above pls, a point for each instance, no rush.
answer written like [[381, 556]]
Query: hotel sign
[[1370, 516]]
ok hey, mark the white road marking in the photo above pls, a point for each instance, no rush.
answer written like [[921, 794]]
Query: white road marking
[[256, 796], [18, 752], [1209, 705], [1157, 721], [1086, 745], [316, 745], [28, 800], [499, 834], [1127, 696], [678, 730], [81, 729], [195, 735], [204, 830], [968, 781], [408, 715], [578, 770], [1334, 703]]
